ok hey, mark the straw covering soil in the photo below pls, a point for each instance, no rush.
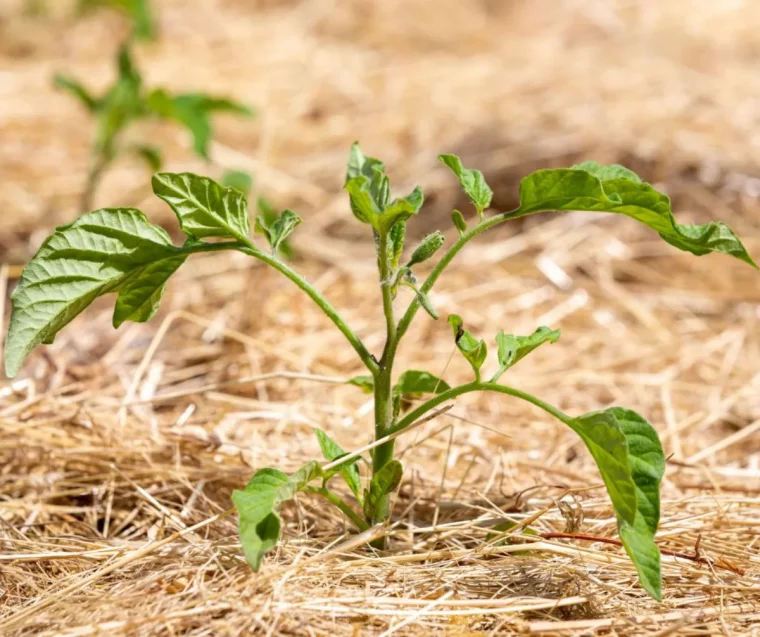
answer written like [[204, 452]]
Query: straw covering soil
[[118, 450]]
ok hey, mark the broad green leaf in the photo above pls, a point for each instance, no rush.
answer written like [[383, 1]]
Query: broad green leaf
[[109, 250], [414, 382], [203, 207], [257, 505], [474, 351], [194, 110], [514, 348], [459, 222], [472, 181], [383, 483], [364, 382], [151, 155], [426, 248], [279, 230], [331, 450], [71, 85], [595, 188], [401, 209], [239, 180], [647, 461]]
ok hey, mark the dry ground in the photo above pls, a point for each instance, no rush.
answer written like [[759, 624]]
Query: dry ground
[[118, 450]]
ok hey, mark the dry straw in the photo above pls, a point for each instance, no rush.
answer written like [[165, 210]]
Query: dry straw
[[119, 448]]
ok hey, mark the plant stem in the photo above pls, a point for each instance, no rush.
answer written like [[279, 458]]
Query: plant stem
[[315, 296], [343, 506], [93, 179], [449, 255], [383, 454], [420, 411]]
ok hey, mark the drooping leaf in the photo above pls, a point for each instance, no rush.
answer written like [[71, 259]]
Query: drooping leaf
[[151, 155], [426, 248], [364, 382], [383, 483], [595, 188], [239, 180], [472, 181], [459, 222], [647, 461], [474, 351], [630, 458], [74, 87], [258, 504], [331, 450], [204, 208], [279, 230], [414, 382], [514, 348], [109, 250], [194, 110]]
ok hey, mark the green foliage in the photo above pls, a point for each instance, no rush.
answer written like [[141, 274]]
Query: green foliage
[[126, 102], [513, 348], [472, 181], [239, 180], [257, 504], [139, 11], [118, 251], [331, 450], [595, 188], [472, 349], [459, 222], [384, 482], [279, 230]]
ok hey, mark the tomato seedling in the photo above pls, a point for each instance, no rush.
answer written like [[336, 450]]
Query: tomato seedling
[[118, 251], [127, 102]]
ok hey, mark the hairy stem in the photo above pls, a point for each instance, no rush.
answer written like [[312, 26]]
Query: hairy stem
[[343, 506], [425, 407]]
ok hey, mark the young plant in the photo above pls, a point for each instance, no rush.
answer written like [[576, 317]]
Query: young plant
[[118, 251], [127, 102], [139, 11]]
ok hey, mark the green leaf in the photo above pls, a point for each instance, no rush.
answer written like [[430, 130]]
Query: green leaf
[[459, 222], [424, 301], [365, 382], [396, 240], [647, 462], [71, 85], [369, 193], [109, 250], [331, 450], [501, 536], [513, 348], [426, 248], [279, 230], [595, 188], [383, 483], [414, 382], [472, 181], [239, 180], [151, 155], [474, 351], [193, 110], [203, 207], [630, 458], [257, 505]]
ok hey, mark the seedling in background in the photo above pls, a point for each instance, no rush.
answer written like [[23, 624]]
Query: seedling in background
[[138, 11], [126, 103], [119, 251]]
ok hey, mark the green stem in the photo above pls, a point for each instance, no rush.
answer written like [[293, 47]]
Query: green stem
[[315, 296], [411, 311], [93, 179], [428, 405], [345, 509]]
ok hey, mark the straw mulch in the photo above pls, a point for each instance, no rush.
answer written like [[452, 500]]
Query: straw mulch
[[119, 449]]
